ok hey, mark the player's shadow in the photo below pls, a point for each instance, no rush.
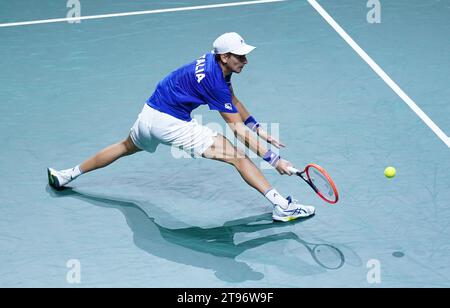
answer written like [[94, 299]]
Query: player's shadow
[[210, 248]]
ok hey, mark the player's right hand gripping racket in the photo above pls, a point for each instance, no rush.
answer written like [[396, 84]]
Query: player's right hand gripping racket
[[320, 181]]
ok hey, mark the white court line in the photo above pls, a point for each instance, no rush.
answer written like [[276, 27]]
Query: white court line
[[381, 73], [190, 8]]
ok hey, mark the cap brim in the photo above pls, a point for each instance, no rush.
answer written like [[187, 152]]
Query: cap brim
[[243, 50]]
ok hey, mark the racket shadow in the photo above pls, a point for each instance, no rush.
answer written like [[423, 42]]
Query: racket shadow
[[209, 248]]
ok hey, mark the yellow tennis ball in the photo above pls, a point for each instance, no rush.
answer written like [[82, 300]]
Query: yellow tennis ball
[[389, 172]]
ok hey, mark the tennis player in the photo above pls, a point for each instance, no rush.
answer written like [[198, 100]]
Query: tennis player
[[166, 119]]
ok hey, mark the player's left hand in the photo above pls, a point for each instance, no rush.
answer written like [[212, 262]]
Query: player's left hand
[[275, 142], [263, 134]]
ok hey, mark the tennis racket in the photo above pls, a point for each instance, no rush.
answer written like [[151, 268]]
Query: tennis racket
[[320, 181]]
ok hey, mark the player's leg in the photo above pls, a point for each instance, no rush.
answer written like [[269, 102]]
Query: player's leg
[[109, 154], [223, 150], [139, 139], [285, 209], [59, 178]]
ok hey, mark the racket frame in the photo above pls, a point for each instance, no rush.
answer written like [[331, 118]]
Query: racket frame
[[310, 183]]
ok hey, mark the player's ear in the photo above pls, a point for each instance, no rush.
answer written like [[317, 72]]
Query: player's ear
[[224, 57]]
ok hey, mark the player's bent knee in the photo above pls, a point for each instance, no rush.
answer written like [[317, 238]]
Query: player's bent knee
[[238, 156], [224, 151], [235, 156], [239, 161]]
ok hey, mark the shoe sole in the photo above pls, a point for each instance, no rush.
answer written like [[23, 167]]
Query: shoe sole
[[290, 218], [52, 179]]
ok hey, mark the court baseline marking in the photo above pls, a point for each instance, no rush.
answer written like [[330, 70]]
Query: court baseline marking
[[381, 73], [190, 8]]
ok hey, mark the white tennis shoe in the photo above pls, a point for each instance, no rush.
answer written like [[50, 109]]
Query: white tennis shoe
[[57, 179], [293, 211]]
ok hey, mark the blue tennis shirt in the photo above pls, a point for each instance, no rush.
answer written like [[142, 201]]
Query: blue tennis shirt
[[200, 82]]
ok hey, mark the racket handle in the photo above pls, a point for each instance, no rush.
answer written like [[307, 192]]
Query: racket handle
[[293, 170]]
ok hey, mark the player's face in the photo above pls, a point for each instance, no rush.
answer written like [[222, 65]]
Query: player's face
[[236, 62]]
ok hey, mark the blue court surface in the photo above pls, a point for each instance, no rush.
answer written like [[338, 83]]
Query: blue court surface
[[161, 220]]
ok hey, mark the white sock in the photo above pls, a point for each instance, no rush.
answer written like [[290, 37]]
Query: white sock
[[274, 196]]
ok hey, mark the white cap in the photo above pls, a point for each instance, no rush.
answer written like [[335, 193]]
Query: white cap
[[231, 42]]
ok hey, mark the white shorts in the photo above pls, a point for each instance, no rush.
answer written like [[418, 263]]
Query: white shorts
[[154, 127]]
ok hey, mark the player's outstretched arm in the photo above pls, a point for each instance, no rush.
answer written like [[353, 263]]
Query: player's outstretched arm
[[234, 121], [236, 125], [249, 121]]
